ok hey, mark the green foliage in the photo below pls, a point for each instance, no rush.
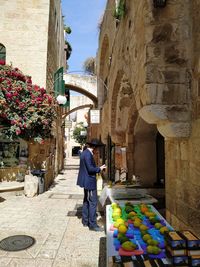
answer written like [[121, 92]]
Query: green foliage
[[81, 139], [119, 11], [89, 65], [67, 29], [68, 49]]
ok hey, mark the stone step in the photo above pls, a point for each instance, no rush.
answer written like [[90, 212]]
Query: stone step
[[11, 186]]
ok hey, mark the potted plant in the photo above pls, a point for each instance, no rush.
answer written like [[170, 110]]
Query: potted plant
[[119, 11]]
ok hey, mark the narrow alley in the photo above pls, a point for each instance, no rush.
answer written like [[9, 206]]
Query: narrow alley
[[51, 219], [112, 87]]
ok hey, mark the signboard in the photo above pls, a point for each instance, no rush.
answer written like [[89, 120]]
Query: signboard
[[95, 116], [68, 124], [59, 85], [83, 133]]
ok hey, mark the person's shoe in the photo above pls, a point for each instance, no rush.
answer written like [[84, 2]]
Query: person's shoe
[[96, 229], [85, 225]]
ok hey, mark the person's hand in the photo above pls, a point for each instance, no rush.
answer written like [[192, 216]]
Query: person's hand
[[103, 167]]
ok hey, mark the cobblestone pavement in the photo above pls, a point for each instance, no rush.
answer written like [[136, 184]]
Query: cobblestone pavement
[[61, 240]]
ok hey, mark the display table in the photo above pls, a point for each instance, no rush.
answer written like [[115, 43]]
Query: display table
[[122, 194], [115, 254]]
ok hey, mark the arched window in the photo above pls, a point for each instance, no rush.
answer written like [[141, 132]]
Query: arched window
[[2, 53]]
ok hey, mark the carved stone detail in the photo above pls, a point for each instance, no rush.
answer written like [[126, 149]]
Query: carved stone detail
[[124, 100], [172, 121]]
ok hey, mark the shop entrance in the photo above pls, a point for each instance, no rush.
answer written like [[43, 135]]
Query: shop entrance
[[160, 158], [111, 159], [149, 154], [145, 159]]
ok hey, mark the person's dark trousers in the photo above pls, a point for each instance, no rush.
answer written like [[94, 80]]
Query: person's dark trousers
[[89, 208]]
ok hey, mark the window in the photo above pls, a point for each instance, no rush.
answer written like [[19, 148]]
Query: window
[[2, 53], [9, 153]]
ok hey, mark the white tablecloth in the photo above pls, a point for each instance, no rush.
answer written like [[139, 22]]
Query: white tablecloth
[[122, 195]]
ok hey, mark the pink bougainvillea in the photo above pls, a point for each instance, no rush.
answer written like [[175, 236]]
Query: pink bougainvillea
[[26, 110]]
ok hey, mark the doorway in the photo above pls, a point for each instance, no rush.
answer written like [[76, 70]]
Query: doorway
[[160, 159], [111, 159]]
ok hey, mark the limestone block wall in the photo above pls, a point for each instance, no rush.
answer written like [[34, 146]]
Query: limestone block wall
[[42, 156], [183, 155], [121, 57], [166, 93], [183, 184], [55, 59], [157, 51], [24, 33], [122, 61], [55, 46], [33, 34]]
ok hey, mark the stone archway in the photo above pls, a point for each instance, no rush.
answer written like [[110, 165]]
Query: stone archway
[[124, 115], [104, 54], [75, 109], [144, 141], [133, 115], [103, 71], [83, 84], [120, 104], [145, 165]]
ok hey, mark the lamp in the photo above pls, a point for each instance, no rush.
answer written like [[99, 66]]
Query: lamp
[[159, 3], [61, 99]]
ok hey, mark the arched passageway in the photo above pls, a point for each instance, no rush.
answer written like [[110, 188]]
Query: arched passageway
[[149, 153], [83, 84], [75, 109]]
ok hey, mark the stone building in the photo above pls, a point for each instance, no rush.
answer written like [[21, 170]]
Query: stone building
[[81, 106], [32, 39], [33, 36], [149, 58], [74, 119]]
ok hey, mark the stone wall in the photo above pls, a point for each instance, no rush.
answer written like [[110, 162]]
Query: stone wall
[[33, 34], [183, 155], [42, 156], [55, 48], [122, 61], [24, 33], [182, 183], [166, 94], [150, 62], [55, 60]]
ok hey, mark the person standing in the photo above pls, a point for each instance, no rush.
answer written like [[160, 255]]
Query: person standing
[[87, 180]]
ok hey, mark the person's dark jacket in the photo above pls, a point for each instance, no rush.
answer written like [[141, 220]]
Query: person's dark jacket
[[87, 171]]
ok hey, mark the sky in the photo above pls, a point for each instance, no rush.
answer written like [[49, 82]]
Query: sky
[[82, 16]]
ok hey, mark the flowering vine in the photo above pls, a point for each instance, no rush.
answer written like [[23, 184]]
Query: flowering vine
[[26, 110]]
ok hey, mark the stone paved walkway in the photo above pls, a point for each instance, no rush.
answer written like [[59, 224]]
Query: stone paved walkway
[[61, 241]]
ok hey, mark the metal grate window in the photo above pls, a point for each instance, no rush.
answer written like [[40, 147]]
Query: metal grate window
[[2, 52]]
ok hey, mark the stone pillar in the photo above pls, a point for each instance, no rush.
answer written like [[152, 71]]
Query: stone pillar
[[182, 183]]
